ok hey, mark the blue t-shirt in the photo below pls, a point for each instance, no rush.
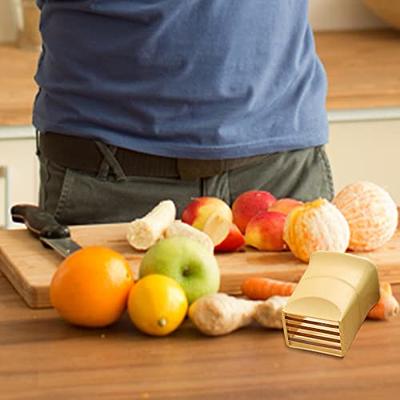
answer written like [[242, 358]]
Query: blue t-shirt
[[183, 78]]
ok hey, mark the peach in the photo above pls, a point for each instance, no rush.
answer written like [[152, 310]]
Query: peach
[[199, 210], [234, 241], [285, 205], [248, 204], [265, 231]]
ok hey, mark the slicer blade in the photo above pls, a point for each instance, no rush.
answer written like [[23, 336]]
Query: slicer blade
[[330, 303]]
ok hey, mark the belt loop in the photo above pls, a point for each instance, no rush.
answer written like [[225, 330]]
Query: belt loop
[[104, 170], [109, 161]]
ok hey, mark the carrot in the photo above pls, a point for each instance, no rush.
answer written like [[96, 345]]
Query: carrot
[[387, 305], [257, 288]]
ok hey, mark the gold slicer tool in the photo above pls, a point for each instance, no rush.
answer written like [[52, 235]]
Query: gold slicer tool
[[330, 303]]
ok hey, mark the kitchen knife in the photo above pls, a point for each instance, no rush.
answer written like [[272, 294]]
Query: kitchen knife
[[45, 227]]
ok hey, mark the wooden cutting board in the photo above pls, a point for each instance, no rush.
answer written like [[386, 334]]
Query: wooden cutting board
[[29, 266]]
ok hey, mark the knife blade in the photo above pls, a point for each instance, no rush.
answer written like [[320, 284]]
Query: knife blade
[[46, 228]]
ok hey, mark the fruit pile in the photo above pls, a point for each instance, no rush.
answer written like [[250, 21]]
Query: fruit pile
[[179, 273], [93, 287], [362, 217], [178, 277]]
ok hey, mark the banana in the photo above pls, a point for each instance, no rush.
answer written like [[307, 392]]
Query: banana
[[144, 232]]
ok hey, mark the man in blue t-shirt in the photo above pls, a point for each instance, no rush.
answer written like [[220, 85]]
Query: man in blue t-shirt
[[142, 100]]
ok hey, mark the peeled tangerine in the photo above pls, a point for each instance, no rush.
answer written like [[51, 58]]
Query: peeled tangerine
[[371, 213], [315, 226]]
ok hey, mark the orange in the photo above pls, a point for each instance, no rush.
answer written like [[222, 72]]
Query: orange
[[91, 287]]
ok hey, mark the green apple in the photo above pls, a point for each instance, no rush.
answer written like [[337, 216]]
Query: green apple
[[186, 261]]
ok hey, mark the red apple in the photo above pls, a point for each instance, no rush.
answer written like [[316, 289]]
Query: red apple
[[234, 241], [200, 209], [265, 231], [248, 204], [285, 205]]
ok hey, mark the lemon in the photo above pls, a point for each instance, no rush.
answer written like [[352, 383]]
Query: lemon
[[157, 305]]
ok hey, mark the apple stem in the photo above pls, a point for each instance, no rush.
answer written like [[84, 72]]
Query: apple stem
[[186, 271]]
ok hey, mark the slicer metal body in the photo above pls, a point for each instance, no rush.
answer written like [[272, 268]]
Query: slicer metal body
[[330, 303]]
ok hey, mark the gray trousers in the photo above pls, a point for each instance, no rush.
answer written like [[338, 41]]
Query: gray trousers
[[75, 197]]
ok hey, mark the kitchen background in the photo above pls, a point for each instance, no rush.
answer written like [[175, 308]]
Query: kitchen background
[[365, 134]]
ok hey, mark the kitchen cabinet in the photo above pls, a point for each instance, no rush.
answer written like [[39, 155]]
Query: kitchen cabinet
[[19, 170], [18, 164], [366, 150]]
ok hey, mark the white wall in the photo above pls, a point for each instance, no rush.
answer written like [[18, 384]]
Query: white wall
[[366, 150], [324, 15]]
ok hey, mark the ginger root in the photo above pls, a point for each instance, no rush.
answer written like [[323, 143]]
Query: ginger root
[[220, 314], [269, 313]]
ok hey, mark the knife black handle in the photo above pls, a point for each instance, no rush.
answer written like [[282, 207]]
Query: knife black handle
[[40, 223]]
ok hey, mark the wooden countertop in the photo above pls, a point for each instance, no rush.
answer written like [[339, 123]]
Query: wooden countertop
[[17, 87], [41, 357], [362, 67]]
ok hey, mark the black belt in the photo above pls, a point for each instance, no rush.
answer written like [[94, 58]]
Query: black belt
[[83, 154]]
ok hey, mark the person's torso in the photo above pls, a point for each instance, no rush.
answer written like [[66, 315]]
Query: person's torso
[[194, 73]]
